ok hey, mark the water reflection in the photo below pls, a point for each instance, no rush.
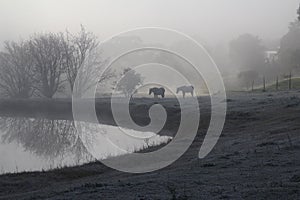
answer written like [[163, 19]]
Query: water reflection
[[35, 144]]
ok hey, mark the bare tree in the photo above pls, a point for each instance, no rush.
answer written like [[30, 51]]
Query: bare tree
[[47, 53], [47, 61], [82, 50], [16, 75], [76, 49]]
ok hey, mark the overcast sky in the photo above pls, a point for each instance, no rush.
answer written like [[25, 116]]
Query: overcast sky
[[212, 20]]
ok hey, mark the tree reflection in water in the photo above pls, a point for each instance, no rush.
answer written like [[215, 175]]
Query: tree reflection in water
[[59, 142], [50, 139]]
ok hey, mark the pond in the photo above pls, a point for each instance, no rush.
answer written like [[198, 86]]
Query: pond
[[35, 144]]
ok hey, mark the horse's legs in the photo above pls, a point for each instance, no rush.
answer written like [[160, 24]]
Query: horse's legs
[[155, 96], [183, 94]]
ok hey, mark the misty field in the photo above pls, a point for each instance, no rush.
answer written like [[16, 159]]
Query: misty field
[[257, 157], [149, 100]]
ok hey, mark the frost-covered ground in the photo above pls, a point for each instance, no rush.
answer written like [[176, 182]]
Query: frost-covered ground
[[257, 157]]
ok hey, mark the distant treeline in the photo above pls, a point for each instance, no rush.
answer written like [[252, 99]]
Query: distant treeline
[[259, 64]]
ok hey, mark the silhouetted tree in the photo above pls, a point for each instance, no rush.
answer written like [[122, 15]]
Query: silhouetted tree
[[298, 12], [247, 52], [16, 74], [76, 49], [247, 78], [46, 62], [289, 53], [47, 53], [129, 81], [82, 50]]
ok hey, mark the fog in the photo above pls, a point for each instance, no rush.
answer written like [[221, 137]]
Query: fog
[[211, 21], [122, 82], [236, 34]]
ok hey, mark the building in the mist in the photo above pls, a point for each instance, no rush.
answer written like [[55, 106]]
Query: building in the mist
[[271, 56]]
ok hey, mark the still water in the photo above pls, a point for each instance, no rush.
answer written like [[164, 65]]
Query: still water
[[28, 144]]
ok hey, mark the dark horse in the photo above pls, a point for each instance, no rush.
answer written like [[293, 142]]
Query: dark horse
[[157, 91]]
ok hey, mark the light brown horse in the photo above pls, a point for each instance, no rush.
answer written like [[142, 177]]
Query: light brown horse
[[186, 89]]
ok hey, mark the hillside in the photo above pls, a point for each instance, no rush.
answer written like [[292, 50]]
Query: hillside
[[257, 157]]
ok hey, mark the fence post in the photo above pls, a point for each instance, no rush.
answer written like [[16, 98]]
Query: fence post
[[264, 79], [290, 81], [277, 83]]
